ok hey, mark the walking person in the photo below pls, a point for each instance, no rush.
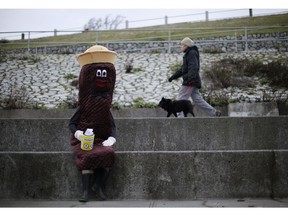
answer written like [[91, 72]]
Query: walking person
[[191, 78]]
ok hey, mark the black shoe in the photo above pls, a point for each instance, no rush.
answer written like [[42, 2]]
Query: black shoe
[[85, 188], [84, 198], [100, 193], [218, 113], [100, 176]]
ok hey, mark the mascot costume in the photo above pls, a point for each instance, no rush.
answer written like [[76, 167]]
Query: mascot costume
[[96, 84]]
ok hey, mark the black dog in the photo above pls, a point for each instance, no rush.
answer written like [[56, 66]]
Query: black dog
[[176, 106]]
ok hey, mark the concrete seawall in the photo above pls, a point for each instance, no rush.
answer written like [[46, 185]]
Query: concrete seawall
[[156, 158]]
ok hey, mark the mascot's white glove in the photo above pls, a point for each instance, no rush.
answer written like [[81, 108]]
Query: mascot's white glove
[[109, 142], [78, 134]]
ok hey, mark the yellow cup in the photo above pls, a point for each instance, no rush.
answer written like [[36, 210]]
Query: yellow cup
[[87, 142]]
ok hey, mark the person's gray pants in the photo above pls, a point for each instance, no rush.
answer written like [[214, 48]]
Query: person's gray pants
[[193, 92]]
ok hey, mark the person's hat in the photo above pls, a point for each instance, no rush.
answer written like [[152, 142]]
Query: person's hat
[[97, 54], [187, 41]]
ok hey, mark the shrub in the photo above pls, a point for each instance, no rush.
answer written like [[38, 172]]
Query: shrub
[[276, 73], [70, 103], [69, 76], [29, 57], [215, 98], [220, 73], [18, 98], [140, 103], [212, 50], [4, 41], [231, 72], [129, 66], [116, 106], [175, 67], [3, 56]]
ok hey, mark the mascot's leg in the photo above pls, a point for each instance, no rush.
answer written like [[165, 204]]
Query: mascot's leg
[[100, 178], [85, 185]]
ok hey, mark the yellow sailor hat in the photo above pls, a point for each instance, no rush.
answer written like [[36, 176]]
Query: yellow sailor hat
[[97, 54]]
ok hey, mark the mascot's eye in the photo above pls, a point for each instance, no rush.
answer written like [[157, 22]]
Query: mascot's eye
[[104, 73], [98, 73]]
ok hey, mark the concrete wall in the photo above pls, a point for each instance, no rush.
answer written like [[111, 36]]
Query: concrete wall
[[150, 175], [153, 134], [156, 158]]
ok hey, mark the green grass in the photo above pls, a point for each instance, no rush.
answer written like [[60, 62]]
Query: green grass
[[178, 31]]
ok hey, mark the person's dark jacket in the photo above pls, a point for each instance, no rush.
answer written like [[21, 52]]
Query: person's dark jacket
[[190, 68]]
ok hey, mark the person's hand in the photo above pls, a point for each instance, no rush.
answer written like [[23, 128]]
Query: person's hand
[[109, 142], [170, 79], [78, 134]]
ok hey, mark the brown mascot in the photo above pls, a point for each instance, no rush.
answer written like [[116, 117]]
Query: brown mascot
[[96, 84]]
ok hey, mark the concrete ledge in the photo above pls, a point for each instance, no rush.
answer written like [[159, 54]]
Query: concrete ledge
[[253, 109], [150, 175], [122, 113], [154, 134]]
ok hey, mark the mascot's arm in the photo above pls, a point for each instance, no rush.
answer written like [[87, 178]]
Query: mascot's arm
[[73, 124], [111, 140]]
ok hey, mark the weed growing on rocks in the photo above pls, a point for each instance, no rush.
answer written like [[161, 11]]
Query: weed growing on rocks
[[231, 72], [69, 76], [140, 103], [116, 106], [30, 58], [3, 56], [18, 98], [70, 103]]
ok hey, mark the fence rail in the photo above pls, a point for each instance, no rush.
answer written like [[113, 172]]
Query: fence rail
[[202, 36], [202, 15]]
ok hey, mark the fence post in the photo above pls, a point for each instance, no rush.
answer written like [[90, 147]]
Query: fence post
[[169, 41], [97, 37], [246, 38], [166, 20], [22, 36], [250, 13], [236, 49], [206, 16], [55, 32], [29, 42], [127, 24]]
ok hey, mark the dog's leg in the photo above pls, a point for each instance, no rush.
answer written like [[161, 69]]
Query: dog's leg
[[192, 113]]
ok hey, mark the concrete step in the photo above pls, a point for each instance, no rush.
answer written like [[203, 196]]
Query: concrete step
[[175, 175], [154, 134], [270, 204], [156, 158]]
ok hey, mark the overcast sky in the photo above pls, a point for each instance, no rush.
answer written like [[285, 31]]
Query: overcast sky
[[29, 16]]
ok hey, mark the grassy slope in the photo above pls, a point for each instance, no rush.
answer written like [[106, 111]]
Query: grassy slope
[[194, 30]]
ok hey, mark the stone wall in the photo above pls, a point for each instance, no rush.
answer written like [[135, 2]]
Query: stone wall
[[273, 41]]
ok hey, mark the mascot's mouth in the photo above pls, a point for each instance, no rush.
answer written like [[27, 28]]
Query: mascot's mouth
[[100, 84]]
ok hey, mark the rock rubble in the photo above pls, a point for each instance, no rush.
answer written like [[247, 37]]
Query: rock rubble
[[48, 82]]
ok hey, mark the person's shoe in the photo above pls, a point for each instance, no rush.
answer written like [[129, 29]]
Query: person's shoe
[[100, 175], [218, 113], [85, 188], [99, 192]]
